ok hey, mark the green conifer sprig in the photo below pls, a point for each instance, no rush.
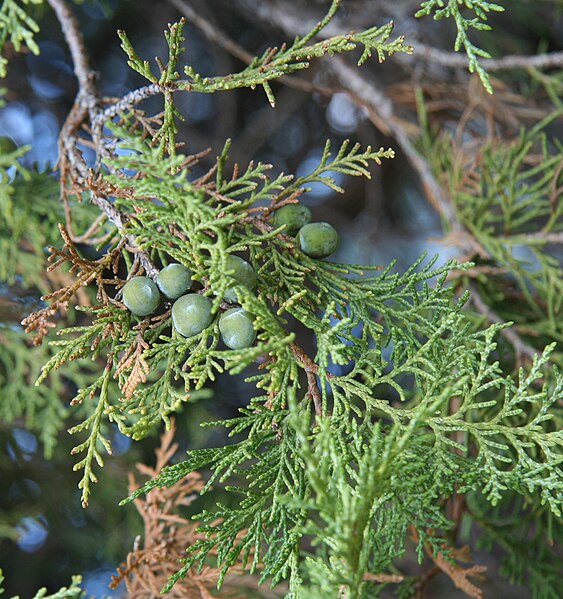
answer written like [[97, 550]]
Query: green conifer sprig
[[18, 27], [272, 64], [452, 9], [199, 224], [449, 365], [333, 470], [93, 423]]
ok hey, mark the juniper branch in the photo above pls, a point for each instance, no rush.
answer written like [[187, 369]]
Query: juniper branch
[[364, 93], [382, 114]]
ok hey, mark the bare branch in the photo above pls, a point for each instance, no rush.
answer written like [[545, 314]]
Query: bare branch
[[71, 30], [127, 102], [514, 61], [311, 370], [381, 109]]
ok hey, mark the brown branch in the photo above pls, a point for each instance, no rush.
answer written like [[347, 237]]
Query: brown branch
[[382, 110], [540, 238], [119, 220], [458, 574], [86, 237], [88, 271]]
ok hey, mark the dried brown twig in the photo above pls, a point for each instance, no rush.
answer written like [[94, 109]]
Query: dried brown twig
[[521, 348], [166, 534], [515, 61], [86, 272]]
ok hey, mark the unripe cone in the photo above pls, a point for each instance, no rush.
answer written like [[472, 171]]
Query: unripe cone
[[191, 314], [141, 296], [294, 216], [237, 329], [318, 240], [243, 273], [174, 280]]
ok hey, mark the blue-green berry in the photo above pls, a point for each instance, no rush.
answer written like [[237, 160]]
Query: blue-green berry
[[243, 272], [191, 314], [318, 240], [237, 329], [141, 296], [294, 216], [174, 280]]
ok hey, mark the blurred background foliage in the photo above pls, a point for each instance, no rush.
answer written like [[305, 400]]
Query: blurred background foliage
[[472, 142]]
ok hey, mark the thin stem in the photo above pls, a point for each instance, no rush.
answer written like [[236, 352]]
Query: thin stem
[[311, 370]]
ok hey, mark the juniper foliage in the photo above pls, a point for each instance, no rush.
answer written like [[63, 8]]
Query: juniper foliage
[[511, 204], [346, 455], [453, 9], [17, 26]]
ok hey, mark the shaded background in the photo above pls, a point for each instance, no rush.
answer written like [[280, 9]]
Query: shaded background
[[384, 218]]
